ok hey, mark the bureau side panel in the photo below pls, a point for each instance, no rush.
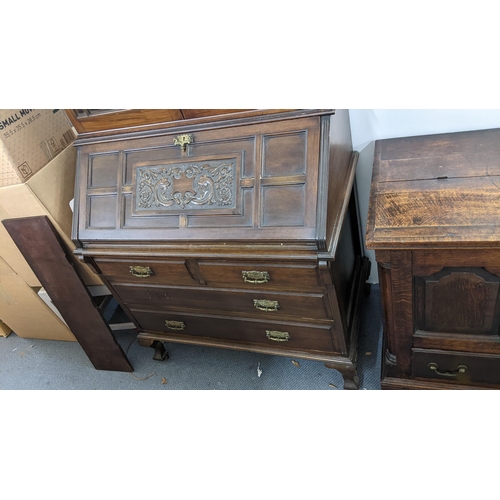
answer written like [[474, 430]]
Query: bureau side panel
[[339, 160]]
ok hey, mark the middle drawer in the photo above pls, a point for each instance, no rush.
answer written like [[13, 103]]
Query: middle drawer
[[308, 307]]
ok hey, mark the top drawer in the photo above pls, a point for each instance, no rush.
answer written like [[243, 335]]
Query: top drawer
[[255, 182], [257, 275]]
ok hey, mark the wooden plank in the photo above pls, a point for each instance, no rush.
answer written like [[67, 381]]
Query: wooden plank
[[48, 256], [402, 309], [440, 190]]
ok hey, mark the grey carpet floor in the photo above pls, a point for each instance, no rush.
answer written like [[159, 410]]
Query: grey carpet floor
[[29, 364]]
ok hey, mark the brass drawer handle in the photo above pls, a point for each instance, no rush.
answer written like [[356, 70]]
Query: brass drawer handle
[[255, 276], [182, 140], [266, 305], [175, 325], [141, 272], [460, 369], [277, 336]]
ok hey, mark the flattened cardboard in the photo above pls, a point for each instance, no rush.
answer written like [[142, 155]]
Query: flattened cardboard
[[29, 139], [5, 330], [47, 193], [27, 314]]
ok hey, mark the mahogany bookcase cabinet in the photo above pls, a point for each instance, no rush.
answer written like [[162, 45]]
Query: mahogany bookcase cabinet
[[226, 228], [434, 223]]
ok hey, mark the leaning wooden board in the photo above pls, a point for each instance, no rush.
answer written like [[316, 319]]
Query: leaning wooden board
[[49, 258]]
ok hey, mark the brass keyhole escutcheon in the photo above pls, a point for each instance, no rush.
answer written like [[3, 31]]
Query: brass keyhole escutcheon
[[183, 140]]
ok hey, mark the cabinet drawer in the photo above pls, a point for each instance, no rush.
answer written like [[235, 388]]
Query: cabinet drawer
[[460, 367], [155, 272], [258, 303], [288, 336], [261, 275]]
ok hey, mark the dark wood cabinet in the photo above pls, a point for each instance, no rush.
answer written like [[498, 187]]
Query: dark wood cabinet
[[236, 230], [433, 223]]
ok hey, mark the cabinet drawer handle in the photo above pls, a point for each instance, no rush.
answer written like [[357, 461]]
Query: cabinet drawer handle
[[266, 305], [175, 325], [255, 276], [182, 140], [141, 272], [460, 369], [277, 336]]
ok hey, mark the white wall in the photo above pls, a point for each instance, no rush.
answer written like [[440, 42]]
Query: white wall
[[368, 125]]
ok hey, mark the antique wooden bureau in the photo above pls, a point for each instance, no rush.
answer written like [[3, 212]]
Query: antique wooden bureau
[[226, 228], [434, 222]]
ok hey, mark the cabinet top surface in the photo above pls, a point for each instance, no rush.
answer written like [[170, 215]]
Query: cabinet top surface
[[96, 123], [436, 191]]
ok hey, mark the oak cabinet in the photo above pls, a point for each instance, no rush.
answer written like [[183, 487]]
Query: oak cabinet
[[238, 230], [433, 223]]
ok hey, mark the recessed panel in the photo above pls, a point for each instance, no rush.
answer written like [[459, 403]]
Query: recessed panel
[[284, 155], [459, 300], [102, 212], [132, 222], [103, 171], [283, 206]]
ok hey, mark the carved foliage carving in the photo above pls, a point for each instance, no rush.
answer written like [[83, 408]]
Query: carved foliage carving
[[190, 186]]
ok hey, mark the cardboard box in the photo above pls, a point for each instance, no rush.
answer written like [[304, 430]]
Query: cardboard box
[[25, 312], [95, 291], [48, 192], [5, 330], [29, 139]]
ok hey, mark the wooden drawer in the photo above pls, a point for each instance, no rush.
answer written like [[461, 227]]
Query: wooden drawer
[[459, 367], [258, 275], [173, 272], [261, 275], [259, 303], [285, 335]]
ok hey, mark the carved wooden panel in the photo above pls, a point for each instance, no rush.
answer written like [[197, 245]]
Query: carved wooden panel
[[189, 185], [459, 300], [262, 177]]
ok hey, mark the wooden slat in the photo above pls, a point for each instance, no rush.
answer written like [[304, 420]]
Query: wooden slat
[[47, 255]]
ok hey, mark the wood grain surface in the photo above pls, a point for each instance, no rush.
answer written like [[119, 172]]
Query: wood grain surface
[[47, 255]]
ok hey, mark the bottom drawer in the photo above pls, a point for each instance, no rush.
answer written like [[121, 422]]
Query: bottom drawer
[[460, 367], [310, 337]]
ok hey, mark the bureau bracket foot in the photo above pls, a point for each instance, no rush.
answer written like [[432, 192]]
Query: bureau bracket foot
[[349, 373], [160, 351]]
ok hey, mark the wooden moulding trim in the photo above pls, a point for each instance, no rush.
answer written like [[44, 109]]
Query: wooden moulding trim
[[125, 251], [421, 384], [197, 124], [333, 359], [434, 245], [323, 174]]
